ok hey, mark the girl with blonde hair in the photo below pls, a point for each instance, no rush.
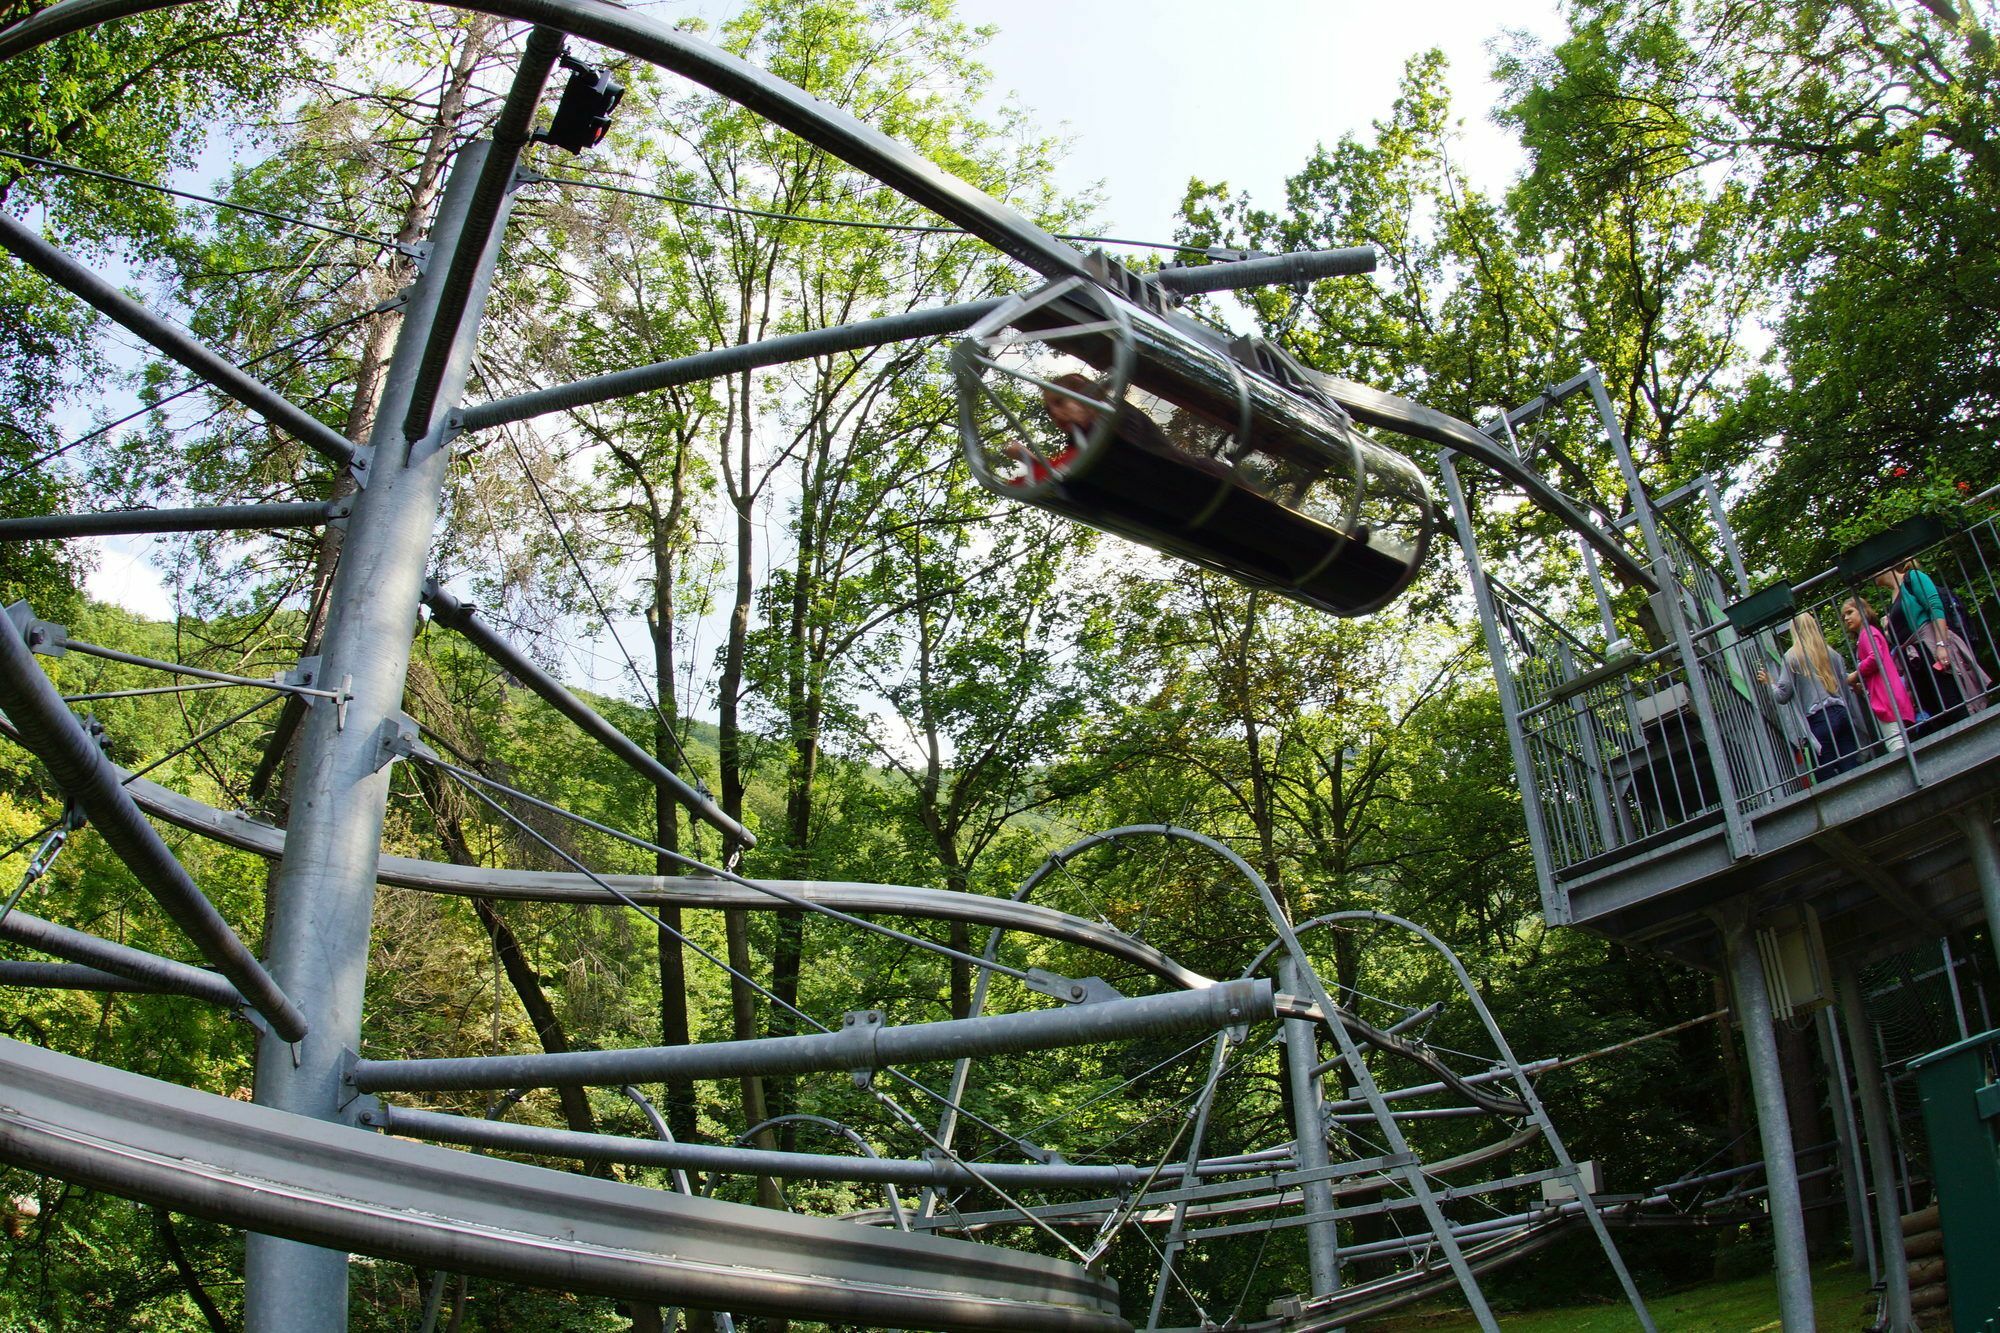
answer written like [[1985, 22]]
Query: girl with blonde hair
[[1817, 676]]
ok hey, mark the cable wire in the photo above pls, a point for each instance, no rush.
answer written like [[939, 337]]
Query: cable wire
[[136, 183], [912, 227]]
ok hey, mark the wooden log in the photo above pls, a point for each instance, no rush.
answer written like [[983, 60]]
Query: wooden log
[[1923, 1272], [1923, 1245], [1924, 1219], [1933, 1297]]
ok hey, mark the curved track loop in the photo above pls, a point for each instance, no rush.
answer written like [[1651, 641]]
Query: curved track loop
[[650, 39], [350, 1189], [246, 834]]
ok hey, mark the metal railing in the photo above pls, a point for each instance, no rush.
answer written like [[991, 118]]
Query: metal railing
[[1620, 756]]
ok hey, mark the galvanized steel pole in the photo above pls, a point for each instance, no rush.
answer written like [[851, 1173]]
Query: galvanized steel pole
[[1309, 1126], [1875, 1128], [323, 895], [1774, 1126]]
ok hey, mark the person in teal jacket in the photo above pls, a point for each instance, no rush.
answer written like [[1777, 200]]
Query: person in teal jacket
[[1945, 679]]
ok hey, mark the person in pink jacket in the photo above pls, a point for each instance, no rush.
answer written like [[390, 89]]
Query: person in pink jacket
[[1875, 669]]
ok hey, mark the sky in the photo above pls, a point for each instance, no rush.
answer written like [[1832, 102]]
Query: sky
[[1149, 94]]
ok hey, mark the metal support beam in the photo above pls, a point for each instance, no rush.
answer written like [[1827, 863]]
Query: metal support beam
[[938, 1173], [1268, 270], [1854, 1192], [864, 1042], [484, 216], [51, 732], [323, 896], [1983, 849], [209, 518], [1876, 1122], [73, 976], [1774, 1127], [1555, 900], [145, 971], [66, 272], [454, 614], [1309, 1128]]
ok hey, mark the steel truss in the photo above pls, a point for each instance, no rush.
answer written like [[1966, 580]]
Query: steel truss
[[303, 1169]]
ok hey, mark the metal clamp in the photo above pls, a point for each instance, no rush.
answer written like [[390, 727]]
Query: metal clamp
[[858, 1030], [43, 637], [1070, 990], [398, 739]]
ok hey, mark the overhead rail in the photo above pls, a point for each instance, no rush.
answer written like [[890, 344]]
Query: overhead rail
[[51, 732], [863, 1042], [209, 518], [453, 614], [27, 246], [933, 323], [435, 1208]]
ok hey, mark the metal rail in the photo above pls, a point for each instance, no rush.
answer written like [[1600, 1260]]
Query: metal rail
[[453, 614], [51, 732], [863, 1042], [348, 1189], [147, 971], [207, 518], [246, 834]]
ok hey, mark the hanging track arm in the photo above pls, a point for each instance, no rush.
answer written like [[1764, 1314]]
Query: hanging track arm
[[208, 518], [454, 614], [933, 323], [1386, 411], [496, 178], [51, 732], [64, 271]]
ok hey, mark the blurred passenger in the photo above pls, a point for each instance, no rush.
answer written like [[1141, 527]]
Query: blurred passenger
[[1946, 682], [1876, 673], [1817, 675]]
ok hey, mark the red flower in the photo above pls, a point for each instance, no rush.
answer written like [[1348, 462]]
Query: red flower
[[1899, 472], [1965, 486]]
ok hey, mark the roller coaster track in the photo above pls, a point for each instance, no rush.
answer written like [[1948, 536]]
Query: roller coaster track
[[349, 1189]]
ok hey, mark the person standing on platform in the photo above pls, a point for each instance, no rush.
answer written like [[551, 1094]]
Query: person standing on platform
[[1817, 675], [1876, 673], [1945, 681]]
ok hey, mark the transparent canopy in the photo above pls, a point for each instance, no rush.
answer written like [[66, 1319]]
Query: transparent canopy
[[1090, 406]]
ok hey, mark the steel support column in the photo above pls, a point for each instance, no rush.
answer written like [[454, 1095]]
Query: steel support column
[[1774, 1127], [1309, 1126], [1882, 1153], [323, 894], [1983, 849], [1853, 1173]]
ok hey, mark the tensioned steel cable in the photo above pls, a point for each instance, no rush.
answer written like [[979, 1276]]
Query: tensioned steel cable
[[917, 228], [109, 426], [638, 677], [792, 900], [74, 170], [752, 982]]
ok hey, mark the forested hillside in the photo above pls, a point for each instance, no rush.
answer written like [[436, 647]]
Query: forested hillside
[[1770, 227]]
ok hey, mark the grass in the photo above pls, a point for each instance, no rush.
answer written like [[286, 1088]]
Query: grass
[[1741, 1305]]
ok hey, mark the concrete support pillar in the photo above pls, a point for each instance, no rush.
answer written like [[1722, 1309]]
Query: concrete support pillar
[[1774, 1127], [1876, 1127]]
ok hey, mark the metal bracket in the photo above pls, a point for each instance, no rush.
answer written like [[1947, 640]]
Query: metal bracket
[[42, 636], [858, 1029], [398, 740], [360, 463], [447, 431], [1088, 990]]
